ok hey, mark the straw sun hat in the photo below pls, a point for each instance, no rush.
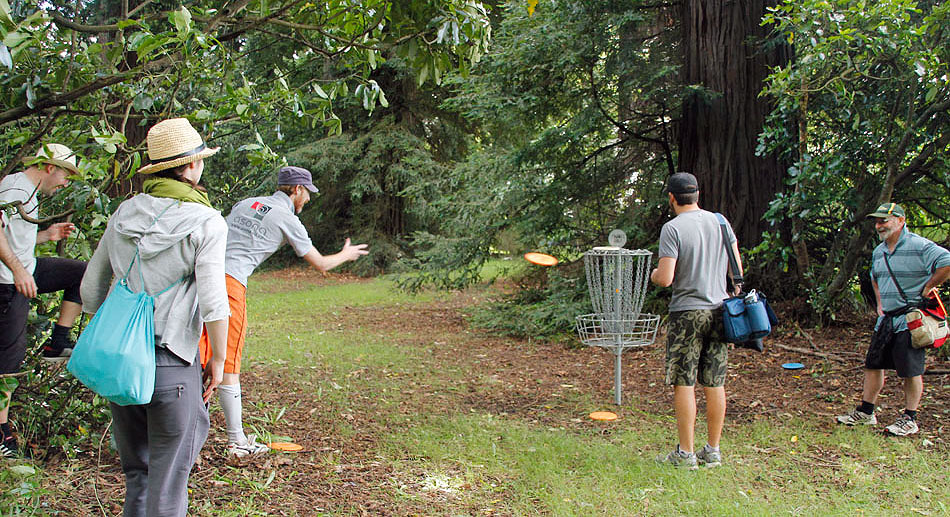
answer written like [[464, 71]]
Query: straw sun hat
[[172, 143], [54, 154]]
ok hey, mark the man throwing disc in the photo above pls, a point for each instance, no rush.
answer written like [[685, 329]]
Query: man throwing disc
[[257, 227]]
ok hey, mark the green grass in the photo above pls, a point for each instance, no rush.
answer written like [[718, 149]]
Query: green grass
[[526, 468], [298, 327], [503, 268], [566, 472]]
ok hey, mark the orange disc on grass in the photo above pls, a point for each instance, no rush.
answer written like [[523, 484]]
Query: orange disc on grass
[[604, 416], [285, 446], [541, 259]]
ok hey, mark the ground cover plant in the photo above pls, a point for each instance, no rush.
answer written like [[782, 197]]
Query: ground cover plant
[[404, 408]]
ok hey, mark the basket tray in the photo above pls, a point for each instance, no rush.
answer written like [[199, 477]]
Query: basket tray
[[609, 331]]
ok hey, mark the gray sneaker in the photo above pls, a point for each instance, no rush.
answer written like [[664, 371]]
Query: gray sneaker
[[709, 456], [857, 418], [679, 459], [904, 426]]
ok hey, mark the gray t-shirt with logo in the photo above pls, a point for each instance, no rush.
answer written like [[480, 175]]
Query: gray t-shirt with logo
[[256, 228], [694, 239]]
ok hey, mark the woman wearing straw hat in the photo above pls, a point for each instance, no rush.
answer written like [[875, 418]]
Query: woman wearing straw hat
[[180, 240]]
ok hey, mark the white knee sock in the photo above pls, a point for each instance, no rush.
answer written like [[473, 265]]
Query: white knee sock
[[229, 395]]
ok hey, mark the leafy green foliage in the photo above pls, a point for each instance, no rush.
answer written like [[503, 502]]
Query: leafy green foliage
[[545, 307], [569, 144], [367, 192], [94, 75], [25, 489], [869, 85]]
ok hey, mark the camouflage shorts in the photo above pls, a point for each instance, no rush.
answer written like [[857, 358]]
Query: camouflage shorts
[[695, 345]]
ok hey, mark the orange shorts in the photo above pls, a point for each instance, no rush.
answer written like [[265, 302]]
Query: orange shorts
[[237, 328]]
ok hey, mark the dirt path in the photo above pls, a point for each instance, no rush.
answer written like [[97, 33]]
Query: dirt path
[[529, 381]]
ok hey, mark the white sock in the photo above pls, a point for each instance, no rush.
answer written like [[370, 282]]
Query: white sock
[[229, 395]]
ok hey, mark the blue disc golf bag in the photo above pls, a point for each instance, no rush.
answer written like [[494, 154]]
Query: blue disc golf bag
[[745, 319], [115, 354]]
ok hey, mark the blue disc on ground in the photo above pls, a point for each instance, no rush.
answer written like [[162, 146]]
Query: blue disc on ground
[[793, 366]]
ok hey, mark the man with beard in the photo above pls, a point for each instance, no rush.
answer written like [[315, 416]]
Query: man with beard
[[905, 268], [257, 227]]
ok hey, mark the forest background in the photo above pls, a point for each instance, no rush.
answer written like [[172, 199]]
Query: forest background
[[448, 132]]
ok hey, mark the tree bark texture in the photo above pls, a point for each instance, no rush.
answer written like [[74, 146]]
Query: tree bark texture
[[724, 55]]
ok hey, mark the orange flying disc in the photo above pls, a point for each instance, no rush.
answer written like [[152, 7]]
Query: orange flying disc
[[541, 259], [605, 416], [285, 446]]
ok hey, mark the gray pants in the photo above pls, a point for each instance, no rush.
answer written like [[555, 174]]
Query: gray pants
[[159, 442]]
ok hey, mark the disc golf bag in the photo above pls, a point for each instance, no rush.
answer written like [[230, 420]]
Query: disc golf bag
[[747, 318], [928, 325]]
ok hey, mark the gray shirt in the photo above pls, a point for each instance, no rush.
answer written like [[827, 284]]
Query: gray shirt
[[694, 239], [186, 243], [256, 228]]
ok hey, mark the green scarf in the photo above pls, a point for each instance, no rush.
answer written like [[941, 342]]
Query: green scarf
[[174, 189]]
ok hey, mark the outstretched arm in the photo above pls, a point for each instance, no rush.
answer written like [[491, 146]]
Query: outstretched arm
[[328, 262], [55, 232]]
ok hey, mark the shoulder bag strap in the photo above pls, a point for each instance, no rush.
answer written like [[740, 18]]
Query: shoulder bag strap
[[733, 263], [894, 279]]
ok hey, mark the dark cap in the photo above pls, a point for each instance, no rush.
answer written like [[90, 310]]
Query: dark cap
[[887, 210], [296, 176], [681, 183]]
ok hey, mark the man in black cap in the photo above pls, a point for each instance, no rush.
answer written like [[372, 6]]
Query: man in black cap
[[905, 268], [693, 260], [257, 227]]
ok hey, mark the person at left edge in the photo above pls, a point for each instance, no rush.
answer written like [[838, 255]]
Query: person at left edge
[[23, 275]]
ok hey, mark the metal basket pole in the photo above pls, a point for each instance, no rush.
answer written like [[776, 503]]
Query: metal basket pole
[[618, 348]]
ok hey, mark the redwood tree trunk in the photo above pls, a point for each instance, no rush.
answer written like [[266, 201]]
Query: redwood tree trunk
[[723, 54]]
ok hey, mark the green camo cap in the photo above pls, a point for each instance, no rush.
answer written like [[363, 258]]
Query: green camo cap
[[887, 210]]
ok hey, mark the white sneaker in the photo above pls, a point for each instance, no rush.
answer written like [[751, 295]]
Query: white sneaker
[[904, 426], [857, 417], [248, 448]]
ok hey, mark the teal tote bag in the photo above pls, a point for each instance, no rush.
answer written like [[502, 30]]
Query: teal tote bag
[[115, 354]]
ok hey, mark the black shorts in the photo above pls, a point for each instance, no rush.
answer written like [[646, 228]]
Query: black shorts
[[50, 275], [897, 354]]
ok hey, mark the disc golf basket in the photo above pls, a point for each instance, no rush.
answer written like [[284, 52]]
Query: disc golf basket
[[617, 280]]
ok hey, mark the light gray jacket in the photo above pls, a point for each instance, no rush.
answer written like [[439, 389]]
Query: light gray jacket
[[187, 242]]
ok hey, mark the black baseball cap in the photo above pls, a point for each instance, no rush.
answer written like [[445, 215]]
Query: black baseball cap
[[681, 183]]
